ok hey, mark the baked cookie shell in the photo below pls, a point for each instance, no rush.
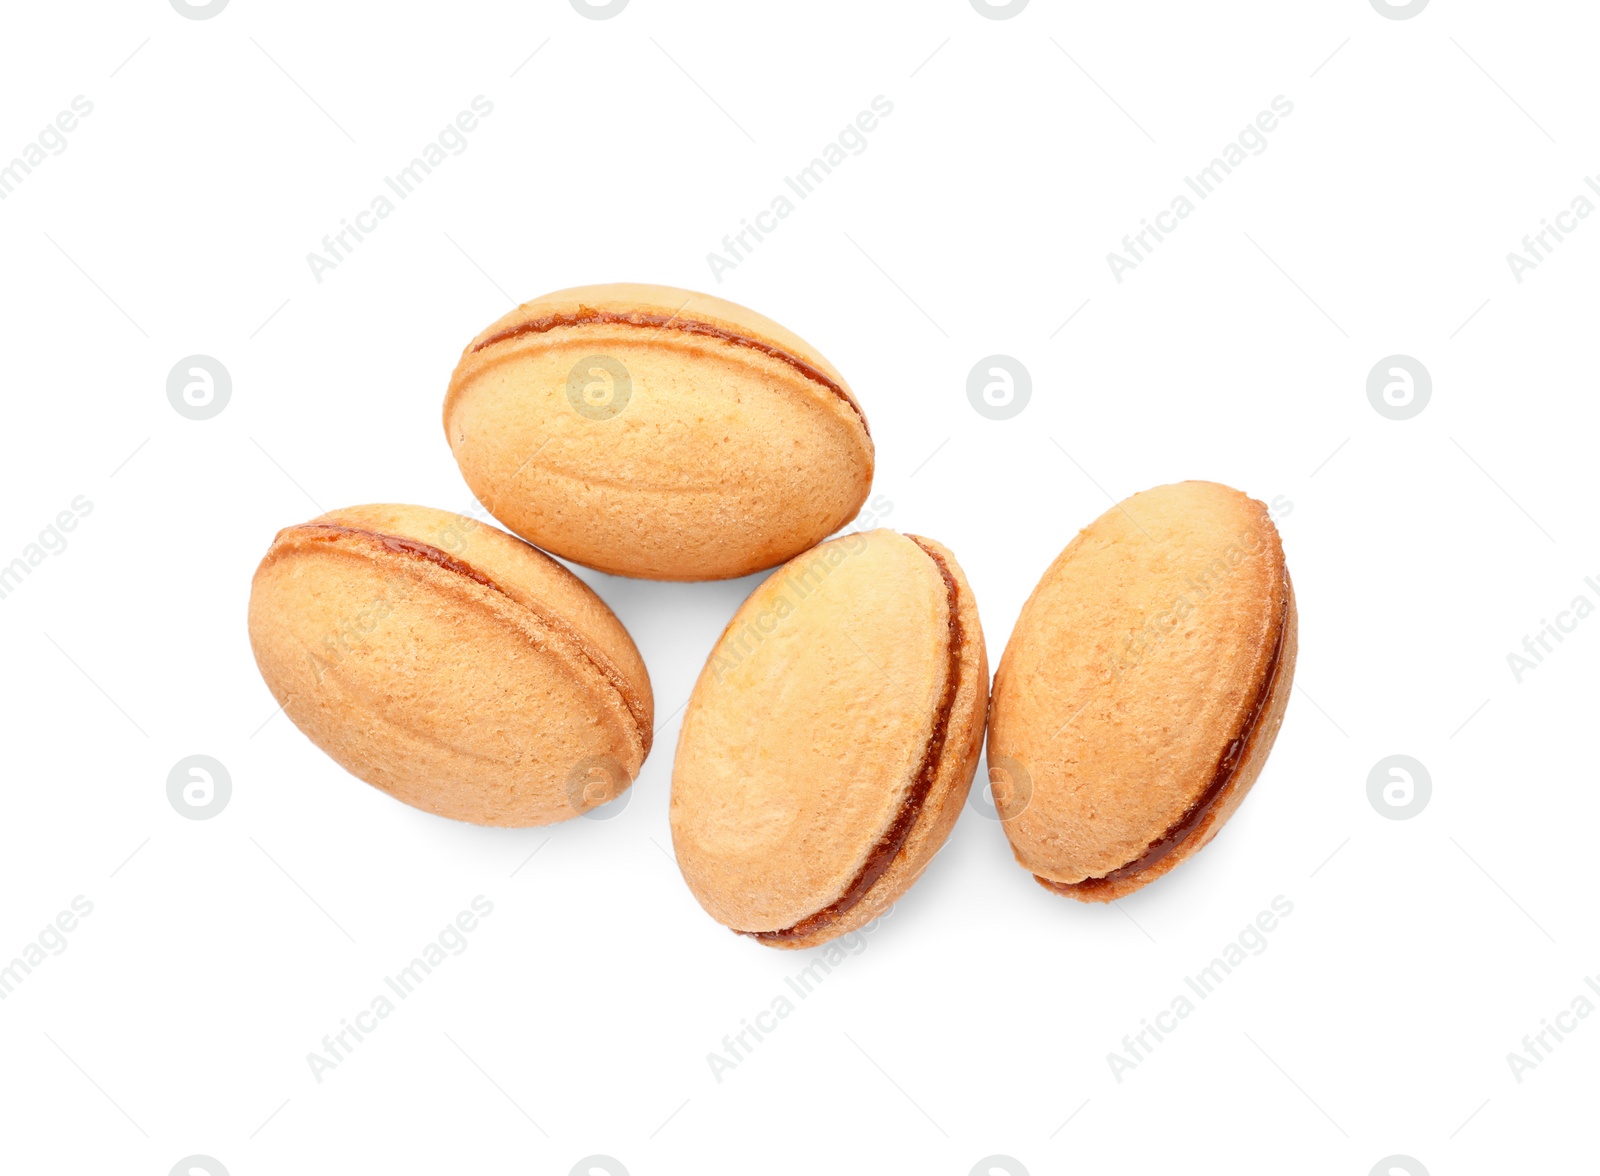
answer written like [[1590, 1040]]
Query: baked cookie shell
[[479, 683], [738, 444], [846, 844], [1236, 773], [522, 324], [1143, 686], [893, 840]]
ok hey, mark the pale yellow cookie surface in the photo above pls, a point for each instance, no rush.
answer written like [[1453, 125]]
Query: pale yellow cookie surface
[[655, 432], [450, 664], [831, 739], [1142, 688]]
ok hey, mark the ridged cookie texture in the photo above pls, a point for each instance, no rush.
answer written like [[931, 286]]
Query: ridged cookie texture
[[830, 740], [1142, 688], [654, 432], [450, 664]]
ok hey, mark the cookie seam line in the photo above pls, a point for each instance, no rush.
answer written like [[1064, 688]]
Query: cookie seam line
[[1176, 836], [914, 806], [585, 317], [416, 549]]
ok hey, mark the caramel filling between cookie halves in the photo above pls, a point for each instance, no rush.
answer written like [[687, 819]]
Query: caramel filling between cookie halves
[[1233, 757], [661, 322], [415, 549], [893, 841]]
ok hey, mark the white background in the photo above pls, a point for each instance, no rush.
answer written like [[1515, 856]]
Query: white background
[[978, 1018]]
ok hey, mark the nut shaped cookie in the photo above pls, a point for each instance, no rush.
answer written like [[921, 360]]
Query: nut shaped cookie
[[450, 664], [654, 432], [830, 740], [1142, 689]]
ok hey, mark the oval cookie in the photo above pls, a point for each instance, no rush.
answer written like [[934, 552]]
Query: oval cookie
[[831, 738], [450, 664], [654, 432], [1142, 688]]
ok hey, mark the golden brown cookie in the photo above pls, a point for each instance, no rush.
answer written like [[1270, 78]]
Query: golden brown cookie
[[1142, 689], [830, 741], [655, 432], [450, 664]]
